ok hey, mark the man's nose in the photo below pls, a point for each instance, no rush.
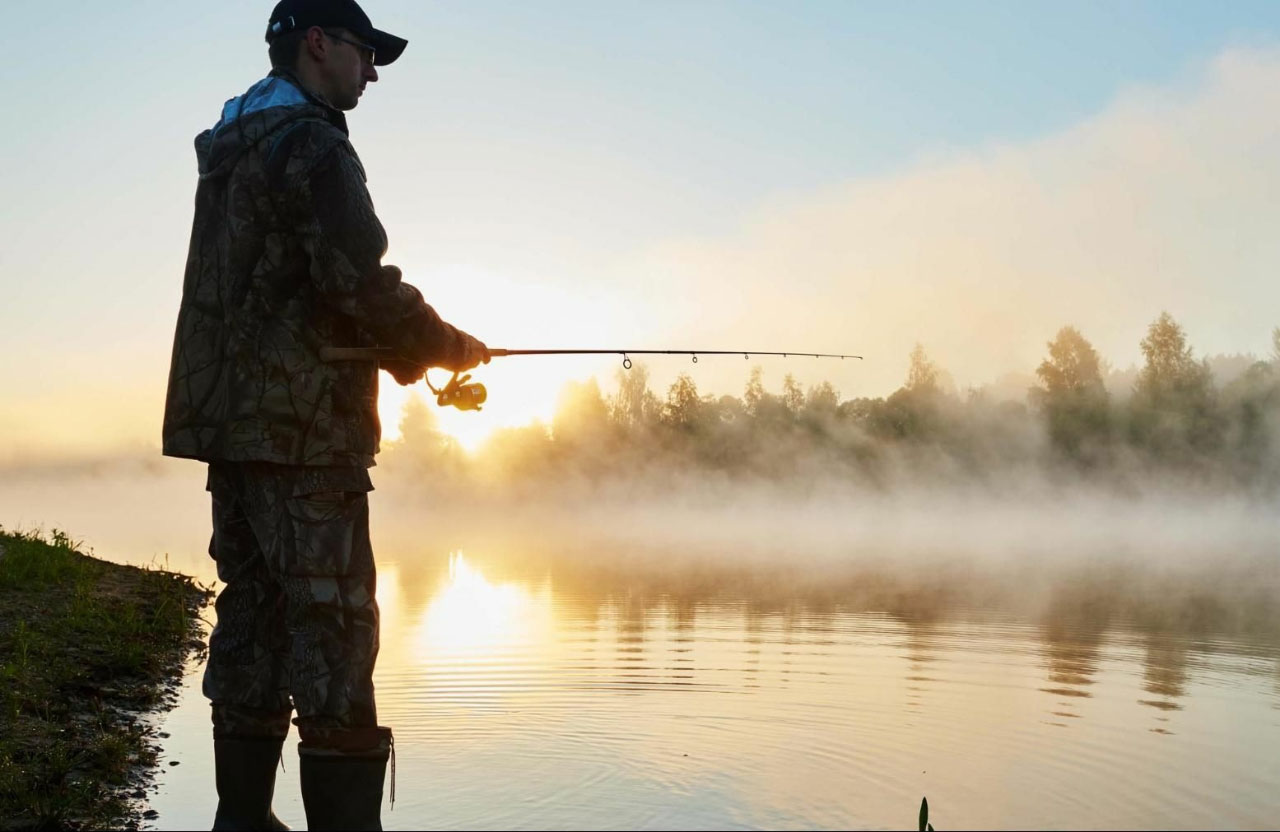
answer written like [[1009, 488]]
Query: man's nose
[[370, 73]]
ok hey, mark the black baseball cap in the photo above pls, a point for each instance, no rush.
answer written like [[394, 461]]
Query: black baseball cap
[[300, 15]]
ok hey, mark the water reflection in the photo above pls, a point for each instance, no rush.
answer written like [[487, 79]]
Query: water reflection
[[471, 618], [542, 690], [629, 641], [1072, 658], [1072, 630], [921, 641], [753, 631], [1164, 671]]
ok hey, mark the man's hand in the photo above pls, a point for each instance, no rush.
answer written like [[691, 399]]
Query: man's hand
[[470, 352], [404, 372], [473, 353]]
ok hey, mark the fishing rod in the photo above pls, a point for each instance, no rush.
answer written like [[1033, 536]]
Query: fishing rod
[[458, 393]]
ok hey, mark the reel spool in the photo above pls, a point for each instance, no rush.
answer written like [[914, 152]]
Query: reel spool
[[457, 393]]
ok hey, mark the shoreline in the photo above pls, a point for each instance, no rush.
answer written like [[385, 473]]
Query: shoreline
[[90, 653]]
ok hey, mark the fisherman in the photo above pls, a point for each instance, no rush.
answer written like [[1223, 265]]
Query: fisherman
[[285, 258]]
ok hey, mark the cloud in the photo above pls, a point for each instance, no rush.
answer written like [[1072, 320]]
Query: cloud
[[1164, 200]]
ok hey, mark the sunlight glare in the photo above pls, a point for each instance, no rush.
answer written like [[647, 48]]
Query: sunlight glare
[[470, 617], [514, 311]]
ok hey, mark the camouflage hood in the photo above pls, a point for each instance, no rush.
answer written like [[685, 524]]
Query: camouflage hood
[[249, 118], [285, 258]]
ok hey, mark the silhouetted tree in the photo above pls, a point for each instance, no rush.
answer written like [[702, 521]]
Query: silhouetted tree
[[755, 393], [728, 409], [792, 395], [1251, 405], [683, 407], [1173, 410], [862, 411], [526, 451], [634, 405], [1072, 397], [421, 438], [822, 399], [922, 374], [582, 415], [763, 406], [912, 411], [419, 427]]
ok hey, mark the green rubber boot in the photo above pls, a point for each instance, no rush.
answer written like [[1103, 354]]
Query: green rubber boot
[[246, 778], [342, 789]]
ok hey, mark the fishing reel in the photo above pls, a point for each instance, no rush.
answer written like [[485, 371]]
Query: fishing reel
[[457, 393]]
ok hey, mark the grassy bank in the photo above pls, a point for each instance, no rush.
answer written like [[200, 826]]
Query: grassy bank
[[87, 648]]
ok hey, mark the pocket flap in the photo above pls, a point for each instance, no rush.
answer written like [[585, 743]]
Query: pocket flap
[[319, 480]]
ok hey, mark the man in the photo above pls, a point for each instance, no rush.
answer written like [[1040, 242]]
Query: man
[[285, 259]]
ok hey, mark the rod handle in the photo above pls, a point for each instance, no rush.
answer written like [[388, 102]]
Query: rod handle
[[331, 354]]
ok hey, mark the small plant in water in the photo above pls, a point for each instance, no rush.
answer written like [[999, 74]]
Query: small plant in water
[[925, 826]]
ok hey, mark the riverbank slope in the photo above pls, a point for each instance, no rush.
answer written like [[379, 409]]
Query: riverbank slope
[[88, 649]]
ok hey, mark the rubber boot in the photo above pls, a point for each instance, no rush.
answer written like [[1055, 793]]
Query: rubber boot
[[246, 778], [342, 789]]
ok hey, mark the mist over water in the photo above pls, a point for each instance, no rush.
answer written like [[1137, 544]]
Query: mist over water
[[694, 651], [135, 510]]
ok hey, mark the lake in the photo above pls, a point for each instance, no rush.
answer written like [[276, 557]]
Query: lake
[[542, 679]]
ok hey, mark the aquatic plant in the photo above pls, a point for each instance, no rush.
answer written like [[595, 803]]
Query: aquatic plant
[[925, 826]]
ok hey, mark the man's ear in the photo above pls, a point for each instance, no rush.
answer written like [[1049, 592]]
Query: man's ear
[[316, 44]]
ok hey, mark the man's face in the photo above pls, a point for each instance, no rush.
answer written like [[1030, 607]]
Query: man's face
[[348, 67]]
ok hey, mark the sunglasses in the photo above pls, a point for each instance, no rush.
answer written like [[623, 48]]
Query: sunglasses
[[367, 52]]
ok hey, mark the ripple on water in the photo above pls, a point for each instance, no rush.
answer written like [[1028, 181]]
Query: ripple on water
[[528, 713]]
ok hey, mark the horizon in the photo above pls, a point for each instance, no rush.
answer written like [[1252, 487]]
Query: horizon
[[415, 403]]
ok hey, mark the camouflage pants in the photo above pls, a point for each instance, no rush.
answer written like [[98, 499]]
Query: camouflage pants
[[297, 624]]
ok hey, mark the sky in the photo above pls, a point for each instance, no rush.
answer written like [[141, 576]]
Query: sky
[[798, 176]]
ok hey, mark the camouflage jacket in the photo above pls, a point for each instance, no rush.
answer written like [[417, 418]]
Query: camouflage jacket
[[285, 258]]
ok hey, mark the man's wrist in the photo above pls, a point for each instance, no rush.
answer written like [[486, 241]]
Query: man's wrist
[[457, 348]]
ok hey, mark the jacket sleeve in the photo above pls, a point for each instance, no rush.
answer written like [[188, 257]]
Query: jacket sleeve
[[335, 221]]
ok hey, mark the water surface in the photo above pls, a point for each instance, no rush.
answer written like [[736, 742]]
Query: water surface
[[558, 693], [1029, 664]]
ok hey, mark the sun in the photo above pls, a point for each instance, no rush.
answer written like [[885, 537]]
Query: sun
[[509, 311], [520, 391]]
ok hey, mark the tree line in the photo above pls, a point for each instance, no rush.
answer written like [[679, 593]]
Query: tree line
[[1175, 419]]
